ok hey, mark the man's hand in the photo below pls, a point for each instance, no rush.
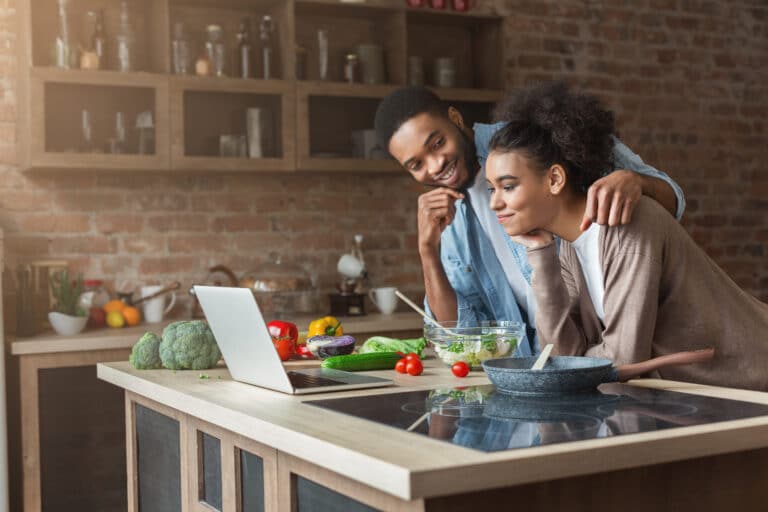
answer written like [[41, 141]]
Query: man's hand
[[436, 212], [535, 239], [612, 199]]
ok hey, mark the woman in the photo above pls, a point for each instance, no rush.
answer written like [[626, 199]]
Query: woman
[[628, 292]]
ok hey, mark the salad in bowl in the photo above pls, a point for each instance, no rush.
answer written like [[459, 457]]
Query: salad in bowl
[[474, 344]]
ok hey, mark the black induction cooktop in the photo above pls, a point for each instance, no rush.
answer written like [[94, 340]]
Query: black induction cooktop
[[478, 417]]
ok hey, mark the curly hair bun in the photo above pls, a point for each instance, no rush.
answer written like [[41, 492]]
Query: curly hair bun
[[554, 124]]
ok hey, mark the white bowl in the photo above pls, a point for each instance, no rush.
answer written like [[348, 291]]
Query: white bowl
[[67, 325]]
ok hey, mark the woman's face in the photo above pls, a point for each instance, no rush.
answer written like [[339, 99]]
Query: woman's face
[[521, 196]]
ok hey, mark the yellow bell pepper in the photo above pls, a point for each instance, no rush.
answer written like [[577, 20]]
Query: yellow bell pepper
[[325, 326]]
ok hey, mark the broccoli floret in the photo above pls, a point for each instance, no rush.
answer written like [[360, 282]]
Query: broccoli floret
[[145, 354], [189, 345]]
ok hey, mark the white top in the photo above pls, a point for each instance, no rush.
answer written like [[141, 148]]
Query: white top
[[588, 251], [480, 199]]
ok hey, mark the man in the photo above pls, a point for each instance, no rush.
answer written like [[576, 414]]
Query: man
[[472, 270]]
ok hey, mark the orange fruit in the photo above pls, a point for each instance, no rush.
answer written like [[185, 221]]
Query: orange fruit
[[132, 315], [114, 305]]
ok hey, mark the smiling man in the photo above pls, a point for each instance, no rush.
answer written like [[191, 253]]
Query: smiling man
[[472, 270]]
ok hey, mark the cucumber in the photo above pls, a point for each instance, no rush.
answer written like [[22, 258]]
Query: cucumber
[[363, 362]]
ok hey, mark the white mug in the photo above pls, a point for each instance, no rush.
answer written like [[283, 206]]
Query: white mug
[[155, 309], [384, 299]]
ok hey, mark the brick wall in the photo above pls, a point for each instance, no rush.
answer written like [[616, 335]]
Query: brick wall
[[688, 81], [686, 78]]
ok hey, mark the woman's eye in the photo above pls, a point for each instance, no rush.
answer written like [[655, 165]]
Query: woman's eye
[[414, 166], [438, 143], [491, 190], [509, 188]]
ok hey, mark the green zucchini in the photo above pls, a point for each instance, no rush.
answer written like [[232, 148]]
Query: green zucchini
[[363, 362]]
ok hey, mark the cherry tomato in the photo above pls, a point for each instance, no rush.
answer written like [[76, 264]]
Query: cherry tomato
[[400, 365], [412, 356], [460, 369], [285, 348], [414, 367]]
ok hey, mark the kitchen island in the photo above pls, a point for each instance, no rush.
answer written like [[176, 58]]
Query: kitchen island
[[200, 441]]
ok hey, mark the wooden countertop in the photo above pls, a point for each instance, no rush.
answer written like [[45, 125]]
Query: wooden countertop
[[412, 466], [107, 339]]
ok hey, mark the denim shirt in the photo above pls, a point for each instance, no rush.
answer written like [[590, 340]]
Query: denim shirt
[[483, 290]]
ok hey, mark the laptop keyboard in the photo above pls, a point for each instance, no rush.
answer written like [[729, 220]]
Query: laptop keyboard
[[302, 380]]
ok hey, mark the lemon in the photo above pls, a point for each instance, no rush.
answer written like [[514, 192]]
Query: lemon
[[115, 319]]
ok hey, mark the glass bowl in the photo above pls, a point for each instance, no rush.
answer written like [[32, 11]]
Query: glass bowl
[[474, 344]]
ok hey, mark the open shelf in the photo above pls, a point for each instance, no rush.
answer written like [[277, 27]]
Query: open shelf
[[351, 144], [59, 138], [195, 15], [474, 42], [146, 18], [309, 122], [204, 109], [348, 26]]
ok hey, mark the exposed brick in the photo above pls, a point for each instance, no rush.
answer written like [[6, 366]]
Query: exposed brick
[[21, 201], [109, 224], [143, 245], [207, 243], [88, 201], [83, 245], [169, 265], [63, 223], [240, 223], [686, 79]]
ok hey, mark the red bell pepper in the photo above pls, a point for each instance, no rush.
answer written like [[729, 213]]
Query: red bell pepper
[[284, 336], [280, 330]]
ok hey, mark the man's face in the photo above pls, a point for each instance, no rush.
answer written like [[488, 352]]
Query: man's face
[[435, 151]]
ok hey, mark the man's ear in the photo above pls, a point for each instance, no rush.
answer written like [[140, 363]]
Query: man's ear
[[455, 117], [557, 179]]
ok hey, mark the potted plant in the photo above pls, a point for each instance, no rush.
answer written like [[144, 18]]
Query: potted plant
[[68, 317]]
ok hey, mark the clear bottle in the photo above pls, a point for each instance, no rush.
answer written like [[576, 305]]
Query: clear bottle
[[180, 50], [125, 42], [266, 28], [214, 48], [120, 133], [62, 47], [98, 42], [86, 131], [245, 50]]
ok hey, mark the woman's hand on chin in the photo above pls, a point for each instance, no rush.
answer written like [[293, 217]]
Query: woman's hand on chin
[[535, 239]]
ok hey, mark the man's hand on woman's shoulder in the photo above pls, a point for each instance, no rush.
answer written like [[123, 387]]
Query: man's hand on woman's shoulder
[[612, 199]]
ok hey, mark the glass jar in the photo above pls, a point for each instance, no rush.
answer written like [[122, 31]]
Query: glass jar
[[94, 294], [215, 49]]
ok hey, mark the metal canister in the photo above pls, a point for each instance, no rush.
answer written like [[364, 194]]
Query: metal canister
[[350, 68]]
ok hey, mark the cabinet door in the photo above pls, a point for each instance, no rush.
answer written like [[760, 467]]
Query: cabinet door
[[158, 461]]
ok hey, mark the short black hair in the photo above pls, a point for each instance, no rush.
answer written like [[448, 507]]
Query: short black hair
[[553, 124], [400, 106]]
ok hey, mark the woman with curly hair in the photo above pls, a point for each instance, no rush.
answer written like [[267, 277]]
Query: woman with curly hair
[[626, 293]]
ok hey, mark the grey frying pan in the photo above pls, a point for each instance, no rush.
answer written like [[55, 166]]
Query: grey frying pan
[[570, 374]]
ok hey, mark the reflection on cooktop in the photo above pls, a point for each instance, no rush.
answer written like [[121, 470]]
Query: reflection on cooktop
[[480, 418]]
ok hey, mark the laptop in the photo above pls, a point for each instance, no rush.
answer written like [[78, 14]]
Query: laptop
[[245, 343]]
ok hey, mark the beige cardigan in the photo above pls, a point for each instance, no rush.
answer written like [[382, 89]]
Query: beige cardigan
[[663, 294]]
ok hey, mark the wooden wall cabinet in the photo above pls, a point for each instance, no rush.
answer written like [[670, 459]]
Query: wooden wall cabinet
[[309, 119]]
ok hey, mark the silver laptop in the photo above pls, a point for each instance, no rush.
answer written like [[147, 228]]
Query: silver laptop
[[245, 343]]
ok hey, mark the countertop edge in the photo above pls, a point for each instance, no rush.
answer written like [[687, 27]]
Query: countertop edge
[[441, 474]]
